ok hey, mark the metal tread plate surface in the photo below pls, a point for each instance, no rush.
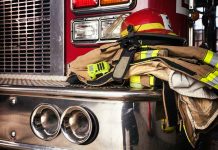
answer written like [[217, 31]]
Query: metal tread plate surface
[[49, 82], [31, 83]]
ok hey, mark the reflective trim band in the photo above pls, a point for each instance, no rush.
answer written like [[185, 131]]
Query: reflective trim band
[[154, 53], [211, 79], [149, 26], [136, 85], [144, 46], [171, 33], [214, 60], [211, 58], [135, 79], [208, 57], [186, 133], [151, 80], [164, 126], [148, 54], [216, 86], [135, 82], [145, 54]]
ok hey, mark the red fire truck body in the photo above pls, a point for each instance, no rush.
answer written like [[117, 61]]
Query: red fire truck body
[[176, 10], [40, 110]]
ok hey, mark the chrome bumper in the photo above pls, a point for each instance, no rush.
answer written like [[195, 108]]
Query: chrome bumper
[[126, 118]]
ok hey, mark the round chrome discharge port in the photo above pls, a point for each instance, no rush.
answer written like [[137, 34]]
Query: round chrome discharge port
[[78, 125], [45, 121]]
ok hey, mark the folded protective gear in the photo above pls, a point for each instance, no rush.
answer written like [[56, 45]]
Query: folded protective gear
[[197, 115], [201, 72], [207, 74], [198, 53], [183, 51], [145, 81], [108, 52], [187, 86], [179, 82], [112, 52]]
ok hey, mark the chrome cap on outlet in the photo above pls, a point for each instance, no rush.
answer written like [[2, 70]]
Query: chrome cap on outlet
[[45, 121], [78, 125]]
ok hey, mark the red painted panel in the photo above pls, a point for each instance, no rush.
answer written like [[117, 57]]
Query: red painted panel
[[169, 7], [71, 52], [175, 9]]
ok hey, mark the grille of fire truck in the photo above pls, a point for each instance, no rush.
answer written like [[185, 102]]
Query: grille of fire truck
[[25, 36], [31, 37]]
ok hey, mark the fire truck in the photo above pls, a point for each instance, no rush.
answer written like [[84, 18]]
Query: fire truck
[[40, 110]]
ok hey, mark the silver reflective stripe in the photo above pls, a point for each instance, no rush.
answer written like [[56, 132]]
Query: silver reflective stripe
[[214, 60], [211, 58], [215, 85]]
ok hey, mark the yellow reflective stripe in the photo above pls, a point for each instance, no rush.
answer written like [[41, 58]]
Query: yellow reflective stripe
[[171, 33], [208, 57], [164, 126], [143, 54], [211, 79], [135, 82], [186, 133], [216, 86], [135, 79], [144, 46], [205, 80], [149, 53], [154, 53], [151, 80], [149, 26]]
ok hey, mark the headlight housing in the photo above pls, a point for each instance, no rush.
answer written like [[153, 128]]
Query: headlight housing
[[97, 30], [85, 30]]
